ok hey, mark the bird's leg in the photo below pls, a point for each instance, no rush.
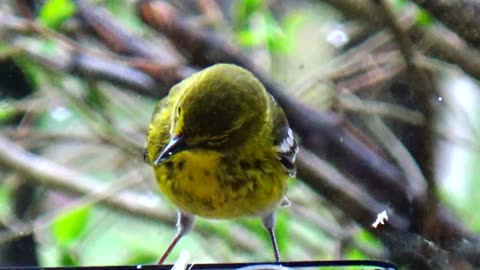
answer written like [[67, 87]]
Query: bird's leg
[[269, 224], [184, 225]]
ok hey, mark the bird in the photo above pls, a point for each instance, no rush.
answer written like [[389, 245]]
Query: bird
[[221, 148]]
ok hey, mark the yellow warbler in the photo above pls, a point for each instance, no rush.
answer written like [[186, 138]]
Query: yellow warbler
[[221, 147]]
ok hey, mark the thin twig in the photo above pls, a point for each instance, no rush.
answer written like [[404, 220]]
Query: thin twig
[[382, 109]]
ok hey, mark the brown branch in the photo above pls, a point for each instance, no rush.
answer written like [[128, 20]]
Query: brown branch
[[461, 16], [441, 42], [349, 197], [53, 175], [94, 67], [381, 109], [161, 62], [79, 60], [423, 89], [111, 70], [420, 81], [119, 40]]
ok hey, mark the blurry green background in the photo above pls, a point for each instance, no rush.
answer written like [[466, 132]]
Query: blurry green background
[[97, 129]]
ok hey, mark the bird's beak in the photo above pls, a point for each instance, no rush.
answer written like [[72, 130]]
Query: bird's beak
[[175, 145]]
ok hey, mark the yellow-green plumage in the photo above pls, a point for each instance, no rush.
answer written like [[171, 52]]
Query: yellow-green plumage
[[231, 163]]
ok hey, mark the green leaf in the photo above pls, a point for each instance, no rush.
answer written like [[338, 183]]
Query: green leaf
[[354, 254], [252, 5], [245, 9], [54, 12], [277, 40], [34, 73], [248, 38], [7, 111], [400, 4], [366, 238], [95, 97], [69, 226], [293, 22], [142, 256], [5, 206], [423, 18], [67, 258]]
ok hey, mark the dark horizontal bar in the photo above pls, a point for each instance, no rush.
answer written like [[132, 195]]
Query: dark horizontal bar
[[382, 265]]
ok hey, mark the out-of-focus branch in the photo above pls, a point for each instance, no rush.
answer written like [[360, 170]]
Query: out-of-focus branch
[[381, 109], [325, 179], [53, 175], [462, 16], [424, 90], [91, 66], [422, 84], [161, 62], [365, 209], [119, 40], [439, 42], [75, 59], [113, 71]]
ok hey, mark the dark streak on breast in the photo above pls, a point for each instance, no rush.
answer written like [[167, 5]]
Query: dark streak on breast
[[245, 165], [179, 165], [169, 167]]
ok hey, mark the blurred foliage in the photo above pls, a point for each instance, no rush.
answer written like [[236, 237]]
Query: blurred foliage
[[7, 111], [257, 26], [4, 202], [422, 17], [69, 226], [54, 12]]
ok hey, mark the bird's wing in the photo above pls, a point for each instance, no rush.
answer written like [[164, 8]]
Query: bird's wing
[[283, 139]]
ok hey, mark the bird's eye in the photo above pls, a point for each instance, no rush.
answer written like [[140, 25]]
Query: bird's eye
[[179, 110], [217, 140]]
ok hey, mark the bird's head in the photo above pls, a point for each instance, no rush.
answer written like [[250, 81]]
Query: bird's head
[[218, 108]]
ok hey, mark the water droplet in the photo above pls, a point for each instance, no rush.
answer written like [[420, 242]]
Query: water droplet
[[60, 114], [337, 36]]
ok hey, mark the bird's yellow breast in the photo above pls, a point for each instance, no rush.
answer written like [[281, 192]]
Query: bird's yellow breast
[[209, 184]]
